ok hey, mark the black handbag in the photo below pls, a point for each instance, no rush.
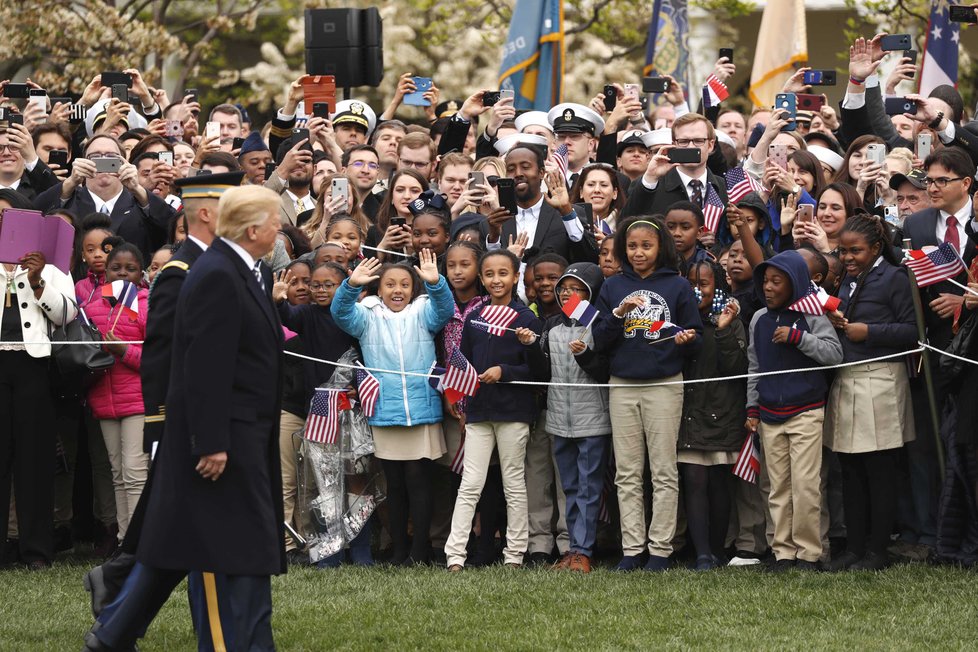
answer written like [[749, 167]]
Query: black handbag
[[75, 367], [961, 344]]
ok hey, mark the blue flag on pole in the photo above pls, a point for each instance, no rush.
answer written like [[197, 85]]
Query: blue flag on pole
[[533, 56], [667, 47]]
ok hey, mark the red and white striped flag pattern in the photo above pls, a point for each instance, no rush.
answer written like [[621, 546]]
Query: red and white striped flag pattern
[[497, 318], [935, 265], [323, 423], [368, 390], [740, 184], [816, 302], [458, 462], [749, 459], [559, 158], [460, 378], [714, 91], [713, 208]]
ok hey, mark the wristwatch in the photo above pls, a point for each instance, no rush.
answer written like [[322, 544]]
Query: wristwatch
[[40, 284], [936, 122]]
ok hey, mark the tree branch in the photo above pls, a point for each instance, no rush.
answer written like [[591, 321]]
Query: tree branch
[[595, 13]]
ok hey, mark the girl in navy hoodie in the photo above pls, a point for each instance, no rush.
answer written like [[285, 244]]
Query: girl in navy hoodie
[[499, 415], [649, 324]]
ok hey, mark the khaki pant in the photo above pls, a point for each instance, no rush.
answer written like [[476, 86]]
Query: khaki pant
[[752, 530], [645, 425], [288, 447], [130, 465], [793, 459], [480, 439], [546, 525]]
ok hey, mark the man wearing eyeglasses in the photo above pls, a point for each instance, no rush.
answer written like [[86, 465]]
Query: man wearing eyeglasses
[[20, 167], [362, 164], [141, 218], [665, 183]]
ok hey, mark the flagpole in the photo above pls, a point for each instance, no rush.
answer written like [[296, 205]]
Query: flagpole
[[918, 309], [963, 287]]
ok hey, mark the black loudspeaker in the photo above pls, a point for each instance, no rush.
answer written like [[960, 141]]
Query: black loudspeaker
[[345, 43]]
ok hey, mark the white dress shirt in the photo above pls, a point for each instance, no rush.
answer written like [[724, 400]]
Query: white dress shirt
[[686, 179], [200, 243], [306, 202], [245, 256], [108, 203]]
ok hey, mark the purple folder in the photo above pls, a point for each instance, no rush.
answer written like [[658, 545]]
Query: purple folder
[[22, 232]]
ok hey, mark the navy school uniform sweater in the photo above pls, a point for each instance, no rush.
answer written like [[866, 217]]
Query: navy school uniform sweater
[[882, 300], [321, 338], [634, 349], [813, 342], [499, 401]]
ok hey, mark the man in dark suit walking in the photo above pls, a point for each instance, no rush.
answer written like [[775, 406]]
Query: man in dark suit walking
[[216, 503], [664, 182], [550, 222], [139, 217], [950, 177]]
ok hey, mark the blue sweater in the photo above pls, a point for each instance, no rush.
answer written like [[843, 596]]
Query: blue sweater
[[634, 350], [501, 402]]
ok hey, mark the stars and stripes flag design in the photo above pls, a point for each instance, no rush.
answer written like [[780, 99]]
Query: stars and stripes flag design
[[368, 390], [939, 264], [714, 92], [123, 293], [460, 378], [816, 302], [740, 184], [323, 423], [940, 63], [581, 310], [458, 462], [749, 459], [713, 208], [559, 158], [496, 319]]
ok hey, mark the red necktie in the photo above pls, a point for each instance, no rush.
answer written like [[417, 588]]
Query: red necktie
[[952, 236]]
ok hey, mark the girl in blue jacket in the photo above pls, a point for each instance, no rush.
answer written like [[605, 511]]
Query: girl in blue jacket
[[396, 329], [499, 415], [649, 325]]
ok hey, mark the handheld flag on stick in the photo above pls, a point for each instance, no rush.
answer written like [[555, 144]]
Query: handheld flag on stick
[[740, 184], [713, 209], [581, 310], [368, 390], [124, 293], [459, 380], [749, 459], [323, 423], [714, 92], [939, 264], [559, 158], [497, 318], [816, 302]]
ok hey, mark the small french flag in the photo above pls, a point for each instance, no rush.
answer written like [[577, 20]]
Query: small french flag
[[714, 92], [581, 310]]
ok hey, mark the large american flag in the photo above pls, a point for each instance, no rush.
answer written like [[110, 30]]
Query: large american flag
[[497, 318], [740, 184], [934, 266], [940, 64], [368, 390], [749, 460], [323, 423], [713, 208], [460, 378], [816, 302]]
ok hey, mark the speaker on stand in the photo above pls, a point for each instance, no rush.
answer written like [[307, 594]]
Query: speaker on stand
[[345, 43]]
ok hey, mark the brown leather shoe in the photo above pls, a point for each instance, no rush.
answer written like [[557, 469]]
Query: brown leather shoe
[[513, 565], [564, 562], [580, 563], [455, 568]]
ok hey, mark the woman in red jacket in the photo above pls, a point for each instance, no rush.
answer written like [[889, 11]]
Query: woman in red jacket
[[116, 399]]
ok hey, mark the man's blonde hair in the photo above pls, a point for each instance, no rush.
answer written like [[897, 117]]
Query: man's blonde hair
[[244, 207]]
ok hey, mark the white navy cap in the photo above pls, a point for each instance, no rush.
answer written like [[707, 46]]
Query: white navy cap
[[538, 118], [354, 112], [506, 143], [576, 118]]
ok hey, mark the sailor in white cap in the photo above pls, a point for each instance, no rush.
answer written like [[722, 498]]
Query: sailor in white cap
[[353, 122], [632, 156], [830, 161], [506, 143], [537, 124], [578, 127]]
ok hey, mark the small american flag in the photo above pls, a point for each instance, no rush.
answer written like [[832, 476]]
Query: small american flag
[[497, 318], [458, 462], [749, 459], [368, 389], [740, 184], [460, 378], [713, 208], [323, 424], [934, 266], [816, 302], [559, 158]]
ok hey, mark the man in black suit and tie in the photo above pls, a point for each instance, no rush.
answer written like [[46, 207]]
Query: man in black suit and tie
[[216, 503], [550, 222], [139, 217], [950, 177], [664, 182], [20, 167]]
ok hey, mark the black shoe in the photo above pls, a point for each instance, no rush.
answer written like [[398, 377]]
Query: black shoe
[[539, 559], [806, 566], [10, 554], [94, 582], [781, 566], [94, 644], [297, 558], [62, 539], [873, 561], [38, 565], [842, 562]]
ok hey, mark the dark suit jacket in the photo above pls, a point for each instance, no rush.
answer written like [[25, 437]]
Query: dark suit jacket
[[154, 369], [144, 228], [921, 229], [224, 395], [670, 189], [552, 236], [34, 182]]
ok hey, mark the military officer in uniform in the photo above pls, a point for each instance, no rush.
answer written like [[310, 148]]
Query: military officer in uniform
[[578, 127]]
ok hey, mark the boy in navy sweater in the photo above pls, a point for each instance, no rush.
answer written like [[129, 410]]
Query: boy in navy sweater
[[788, 408]]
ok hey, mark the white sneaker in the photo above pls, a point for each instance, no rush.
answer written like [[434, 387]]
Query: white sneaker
[[743, 561]]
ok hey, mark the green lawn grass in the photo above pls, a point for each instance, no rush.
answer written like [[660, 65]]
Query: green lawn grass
[[906, 608]]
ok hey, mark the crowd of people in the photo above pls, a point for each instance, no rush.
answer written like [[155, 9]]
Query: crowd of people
[[406, 240]]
